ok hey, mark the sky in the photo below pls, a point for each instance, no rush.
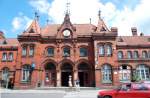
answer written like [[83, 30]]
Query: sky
[[17, 15]]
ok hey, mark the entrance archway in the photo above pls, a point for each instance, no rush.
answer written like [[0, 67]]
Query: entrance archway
[[66, 71], [84, 72], [50, 74]]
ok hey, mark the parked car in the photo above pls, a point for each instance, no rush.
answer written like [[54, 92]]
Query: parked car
[[129, 90]]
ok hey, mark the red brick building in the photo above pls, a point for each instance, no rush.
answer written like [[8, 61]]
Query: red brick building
[[94, 55]]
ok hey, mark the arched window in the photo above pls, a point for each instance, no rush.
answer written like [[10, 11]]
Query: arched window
[[101, 50], [4, 56], [26, 73], [106, 74], [5, 74], [129, 54], [135, 54], [120, 55], [125, 73], [66, 52], [31, 51], [50, 51], [108, 50], [10, 56], [143, 72], [83, 52], [24, 50], [144, 54]]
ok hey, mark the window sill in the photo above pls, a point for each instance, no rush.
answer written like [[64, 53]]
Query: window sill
[[25, 82], [107, 82], [3, 60]]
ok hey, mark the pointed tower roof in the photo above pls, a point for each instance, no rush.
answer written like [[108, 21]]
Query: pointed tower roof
[[101, 27], [34, 27]]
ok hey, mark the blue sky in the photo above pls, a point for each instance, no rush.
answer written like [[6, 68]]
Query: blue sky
[[16, 15]]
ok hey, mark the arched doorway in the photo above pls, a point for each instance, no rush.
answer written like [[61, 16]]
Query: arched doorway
[[50, 74], [84, 75], [66, 71]]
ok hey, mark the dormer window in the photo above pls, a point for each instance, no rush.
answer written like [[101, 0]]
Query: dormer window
[[31, 30], [103, 29]]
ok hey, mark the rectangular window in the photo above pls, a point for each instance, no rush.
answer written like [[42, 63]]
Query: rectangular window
[[24, 51], [83, 52], [25, 75], [66, 52], [31, 51], [101, 50], [10, 57], [4, 57], [50, 52]]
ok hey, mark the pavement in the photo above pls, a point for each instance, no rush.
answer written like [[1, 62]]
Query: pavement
[[5, 93]]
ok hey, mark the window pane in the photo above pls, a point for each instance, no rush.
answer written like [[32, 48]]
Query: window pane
[[106, 73], [129, 53], [10, 56], [144, 54], [120, 55], [24, 51], [66, 51], [4, 57], [50, 51], [143, 72], [5, 74], [83, 52], [135, 54], [31, 52], [26, 73], [101, 50], [109, 49]]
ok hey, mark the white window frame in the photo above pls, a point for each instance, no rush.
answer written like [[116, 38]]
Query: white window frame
[[120, 54], [5, 74], [25, 73], [129, 54], [24, 50], [31, 51], [4, 56], [125, 74], [10, 56], [143, 72], [135, 54], [106, 73], [101, 50], [109, 50]]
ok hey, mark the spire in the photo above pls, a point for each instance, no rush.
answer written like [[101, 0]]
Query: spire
[[36, 16], [67, 14], [101, 27], [34, 28], [99, 14], [67, 7]]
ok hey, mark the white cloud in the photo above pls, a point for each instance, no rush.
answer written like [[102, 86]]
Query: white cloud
[[20, 22], [83, 10]]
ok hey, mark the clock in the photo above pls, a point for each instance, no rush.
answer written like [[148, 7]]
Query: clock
[[66, 33]]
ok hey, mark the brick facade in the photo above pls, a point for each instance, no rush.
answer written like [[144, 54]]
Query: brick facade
[[48, 56]]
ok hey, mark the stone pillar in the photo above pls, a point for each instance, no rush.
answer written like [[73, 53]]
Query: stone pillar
[[58, 78]]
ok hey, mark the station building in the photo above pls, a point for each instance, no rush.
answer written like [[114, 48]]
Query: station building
[[93, 54]]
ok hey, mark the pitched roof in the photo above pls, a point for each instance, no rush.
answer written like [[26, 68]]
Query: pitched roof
[[81, 29], [133, 40], [9, 42]]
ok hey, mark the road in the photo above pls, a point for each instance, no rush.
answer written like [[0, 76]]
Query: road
[[48, 94]]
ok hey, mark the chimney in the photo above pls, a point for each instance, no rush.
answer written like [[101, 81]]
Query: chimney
[[134, 31], [114, 30]]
